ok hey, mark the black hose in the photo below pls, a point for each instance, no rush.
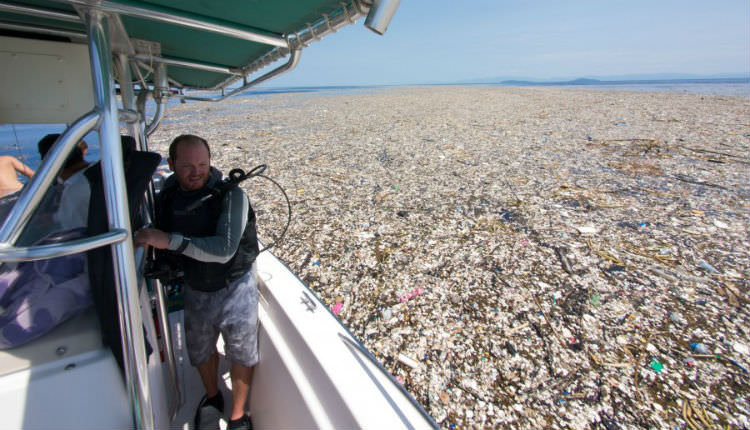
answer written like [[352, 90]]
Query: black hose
[[238, 175]]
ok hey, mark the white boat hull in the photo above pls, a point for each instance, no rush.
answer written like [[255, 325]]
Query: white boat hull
[[312, 373]]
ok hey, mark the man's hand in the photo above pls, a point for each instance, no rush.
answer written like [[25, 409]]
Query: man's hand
[[151, 237]]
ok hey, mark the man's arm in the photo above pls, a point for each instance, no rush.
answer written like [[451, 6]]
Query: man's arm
[[218, 248]]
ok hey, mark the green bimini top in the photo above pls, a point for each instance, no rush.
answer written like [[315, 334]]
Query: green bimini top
[[206, 44]]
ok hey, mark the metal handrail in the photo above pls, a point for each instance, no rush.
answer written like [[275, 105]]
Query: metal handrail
[[160, 94], [151, 126], [113, 175], [41, 252], [289, 65], [284, 44], [35, 11], [33, 192], [129, 101], [350, 12], [166, 335], [42, 30], [198, 22], [179, 62]]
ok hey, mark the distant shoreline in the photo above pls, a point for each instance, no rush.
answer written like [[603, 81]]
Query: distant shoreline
[[516, 82], [588, 81], [736, 87]]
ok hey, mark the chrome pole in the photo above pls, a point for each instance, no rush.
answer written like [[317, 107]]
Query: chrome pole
[[126, 93], [166, 335], [70, 247], [189, 64], [36, 11], [160, 94], [286, 67], [42, 30], [134, 351], [140, 104], [348, 14], [204, 23]]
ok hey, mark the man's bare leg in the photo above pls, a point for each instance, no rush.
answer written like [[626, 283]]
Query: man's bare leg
[[209, 371], [241, 378]]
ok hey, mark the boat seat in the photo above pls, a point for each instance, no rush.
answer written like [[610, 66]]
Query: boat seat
[[76, 336], [139, 168]]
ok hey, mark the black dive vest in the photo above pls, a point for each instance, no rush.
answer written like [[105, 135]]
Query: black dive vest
[[177, 212]]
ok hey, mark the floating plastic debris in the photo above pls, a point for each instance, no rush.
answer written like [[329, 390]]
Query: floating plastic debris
[[587, 229], [414, 293], [481, 241], [721, 224], [337, 308], [707, 267], [408, 361]]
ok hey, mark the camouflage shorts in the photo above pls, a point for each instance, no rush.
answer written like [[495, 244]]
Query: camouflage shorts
[[233, 312]]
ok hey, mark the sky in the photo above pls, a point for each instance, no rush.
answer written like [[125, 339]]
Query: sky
[[442, 41]]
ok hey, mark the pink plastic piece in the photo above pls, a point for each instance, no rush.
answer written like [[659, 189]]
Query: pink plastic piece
[[337, 308], [417, 291]]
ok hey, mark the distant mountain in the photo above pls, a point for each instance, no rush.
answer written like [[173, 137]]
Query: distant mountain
[[670, 76], [579, 81], [592, 80], [584, 81]]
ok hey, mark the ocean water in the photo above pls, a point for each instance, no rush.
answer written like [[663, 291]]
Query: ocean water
[[20, 140], [316, 91], [724, 87]]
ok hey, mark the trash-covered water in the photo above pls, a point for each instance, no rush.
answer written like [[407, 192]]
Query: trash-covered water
[[517, 257]]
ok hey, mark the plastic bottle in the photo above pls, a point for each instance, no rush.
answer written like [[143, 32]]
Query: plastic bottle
[[699, 348]]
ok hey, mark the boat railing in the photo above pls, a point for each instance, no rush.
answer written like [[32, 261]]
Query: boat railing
[[14, 254], [104, 118]]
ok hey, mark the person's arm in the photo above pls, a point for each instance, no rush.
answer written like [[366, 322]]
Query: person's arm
[[22, 168], [218, 248], [222, 246]]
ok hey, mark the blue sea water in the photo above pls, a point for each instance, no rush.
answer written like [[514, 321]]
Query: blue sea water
[[19, 140], [734, 89], [723, 87]]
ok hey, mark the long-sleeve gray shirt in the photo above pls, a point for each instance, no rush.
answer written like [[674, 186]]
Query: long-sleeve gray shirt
[[222, 246]]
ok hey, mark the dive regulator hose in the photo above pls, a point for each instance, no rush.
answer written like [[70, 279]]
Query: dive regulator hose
[[238, 175]]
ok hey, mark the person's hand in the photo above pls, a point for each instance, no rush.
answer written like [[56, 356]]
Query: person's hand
[[151, 237]]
